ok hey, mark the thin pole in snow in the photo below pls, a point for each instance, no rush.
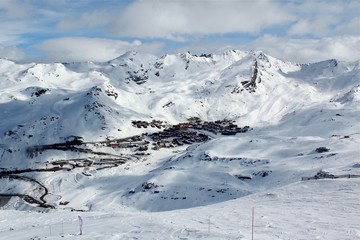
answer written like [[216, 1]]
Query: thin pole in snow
[[252, 224], [80, 224], [209, 225]]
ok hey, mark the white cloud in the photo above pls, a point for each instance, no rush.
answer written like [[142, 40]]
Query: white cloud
[[15, 8], [90, 20], [19, 19], [12, 53], [345, 48], [11, 32], [69, 49], [181, 20], [176, 19], [311, 30], [316, 27], [324, 18], [292, 49], [351, 28]]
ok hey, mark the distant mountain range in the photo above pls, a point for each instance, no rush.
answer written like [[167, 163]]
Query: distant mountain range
[[172, 132]]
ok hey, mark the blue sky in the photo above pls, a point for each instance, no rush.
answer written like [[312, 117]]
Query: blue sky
[[99, 30]]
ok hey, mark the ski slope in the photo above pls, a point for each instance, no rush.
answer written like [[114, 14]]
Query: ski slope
[[323, 209]]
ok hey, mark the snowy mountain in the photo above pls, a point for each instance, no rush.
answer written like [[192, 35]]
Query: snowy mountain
[[175, 132]]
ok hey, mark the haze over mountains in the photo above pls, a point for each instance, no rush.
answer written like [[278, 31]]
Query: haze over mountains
[[174, 132]]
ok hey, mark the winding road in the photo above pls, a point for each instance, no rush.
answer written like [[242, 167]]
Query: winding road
[[41, 202]]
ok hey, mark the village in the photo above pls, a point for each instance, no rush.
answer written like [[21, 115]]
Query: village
[[193, 131], [96, 155]]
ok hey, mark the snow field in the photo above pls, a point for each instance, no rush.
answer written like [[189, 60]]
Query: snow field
[[323, 209]]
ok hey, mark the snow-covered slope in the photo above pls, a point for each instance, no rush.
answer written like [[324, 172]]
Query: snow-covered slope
[[323, 209], [169, 133]]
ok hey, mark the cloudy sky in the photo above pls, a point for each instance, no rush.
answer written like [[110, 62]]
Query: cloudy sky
[[99, 30]]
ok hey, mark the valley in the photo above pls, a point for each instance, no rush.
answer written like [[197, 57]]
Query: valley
[[157, 137]]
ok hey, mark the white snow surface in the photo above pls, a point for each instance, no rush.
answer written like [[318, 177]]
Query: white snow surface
[[304, 120]]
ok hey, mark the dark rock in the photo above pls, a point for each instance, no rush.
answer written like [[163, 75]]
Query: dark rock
[[322, 149]]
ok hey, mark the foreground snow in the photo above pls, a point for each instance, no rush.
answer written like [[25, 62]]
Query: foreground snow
[[322, 209]]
